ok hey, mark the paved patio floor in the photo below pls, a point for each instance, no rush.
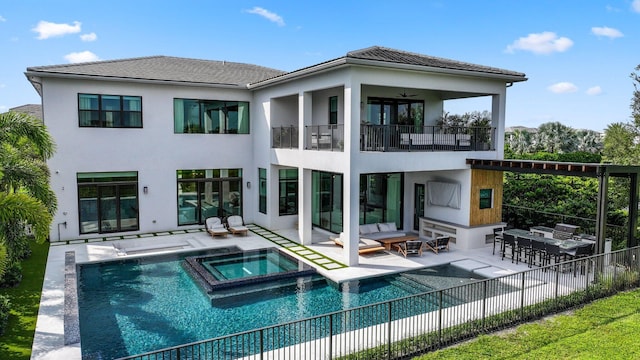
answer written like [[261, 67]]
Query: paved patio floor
[[49, 337]]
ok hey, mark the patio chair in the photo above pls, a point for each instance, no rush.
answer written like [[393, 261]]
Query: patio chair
[[215, 227], [523, 247], [497, 238], [508, 241], [438, 244], [235, 224], [537, 251], [410, 247], [581, 252], [553, 252]]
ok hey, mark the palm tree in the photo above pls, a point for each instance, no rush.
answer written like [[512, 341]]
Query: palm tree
[[589, 141], [25, 195], [520, 141], [554, 137]]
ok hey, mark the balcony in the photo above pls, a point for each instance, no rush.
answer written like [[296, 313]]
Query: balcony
[[426, 138], [324, 137]]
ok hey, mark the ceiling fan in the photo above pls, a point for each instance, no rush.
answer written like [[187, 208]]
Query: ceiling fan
[[405, 95]]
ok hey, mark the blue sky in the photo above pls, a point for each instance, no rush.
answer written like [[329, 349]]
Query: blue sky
[[577, 54]]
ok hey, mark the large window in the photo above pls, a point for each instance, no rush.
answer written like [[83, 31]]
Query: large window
[[381, 198], [262, 190], [108, 202], [110, 111], [210, 117], [206, 193], [288, 191], [395, 112]]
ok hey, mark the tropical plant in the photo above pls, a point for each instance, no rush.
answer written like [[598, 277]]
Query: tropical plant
[[520, 141], [25, 195], [555, 137]]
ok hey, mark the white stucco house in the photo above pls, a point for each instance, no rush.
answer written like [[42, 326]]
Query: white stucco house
[[160, 143]]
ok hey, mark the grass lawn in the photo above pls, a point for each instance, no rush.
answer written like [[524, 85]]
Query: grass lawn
[[16, 342], [604, 329]]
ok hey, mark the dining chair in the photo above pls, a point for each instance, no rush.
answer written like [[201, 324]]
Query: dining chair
[[497, 238]]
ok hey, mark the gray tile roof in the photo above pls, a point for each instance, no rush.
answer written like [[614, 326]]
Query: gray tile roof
[[166, 68], [377, 53], [34, 110]]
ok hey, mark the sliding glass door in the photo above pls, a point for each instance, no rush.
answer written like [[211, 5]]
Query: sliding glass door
[[327, 201], [381, 198]]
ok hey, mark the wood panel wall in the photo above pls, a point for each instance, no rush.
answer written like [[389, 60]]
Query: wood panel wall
[[486, 179]]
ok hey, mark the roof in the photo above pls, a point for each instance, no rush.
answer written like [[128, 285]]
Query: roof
[[34, 110], [164, 68], [378, 53], [209, 72], [381, 56]]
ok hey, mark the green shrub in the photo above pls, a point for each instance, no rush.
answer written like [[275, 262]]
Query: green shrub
[[4, 312], [12, 275]]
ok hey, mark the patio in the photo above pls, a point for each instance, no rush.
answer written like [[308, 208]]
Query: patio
[[49, 340]]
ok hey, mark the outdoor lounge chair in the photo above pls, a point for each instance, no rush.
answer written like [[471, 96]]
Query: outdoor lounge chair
[[215, 227], [438, 244], [365, 246], [411, 247], [235, 224]]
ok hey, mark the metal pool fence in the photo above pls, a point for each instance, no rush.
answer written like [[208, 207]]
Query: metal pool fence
[[420, 323]]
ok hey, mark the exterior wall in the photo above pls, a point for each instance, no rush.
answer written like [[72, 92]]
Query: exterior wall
[[485, 179], [154, 151]]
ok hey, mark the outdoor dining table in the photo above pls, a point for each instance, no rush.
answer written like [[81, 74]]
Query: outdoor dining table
[[565, 245]]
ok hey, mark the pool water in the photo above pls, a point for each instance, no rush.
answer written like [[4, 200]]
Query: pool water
[[132, 306], [239, 266]]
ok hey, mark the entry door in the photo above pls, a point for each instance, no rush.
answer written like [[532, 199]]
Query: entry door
[[418, 205]]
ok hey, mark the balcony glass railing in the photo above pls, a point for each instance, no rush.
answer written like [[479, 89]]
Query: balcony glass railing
[[324, 137], [284, 137], [426, 138]]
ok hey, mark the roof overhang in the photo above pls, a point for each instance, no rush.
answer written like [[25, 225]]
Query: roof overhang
[[35, 77], [346, 61]]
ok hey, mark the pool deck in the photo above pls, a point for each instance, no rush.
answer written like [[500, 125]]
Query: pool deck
[[49, 339]]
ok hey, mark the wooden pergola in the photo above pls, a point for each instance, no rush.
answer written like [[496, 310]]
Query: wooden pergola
[[600, 171]]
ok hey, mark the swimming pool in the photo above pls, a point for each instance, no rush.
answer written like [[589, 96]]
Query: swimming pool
[[133, 306]]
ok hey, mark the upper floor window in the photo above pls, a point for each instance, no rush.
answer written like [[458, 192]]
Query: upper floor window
[[210, 117], [110, 111], [333, 110]]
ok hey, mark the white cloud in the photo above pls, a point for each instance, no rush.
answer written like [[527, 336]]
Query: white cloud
[[267, 15], [88, 37], [2, 19], [607, 32], [563, 88], [84, 56], [3, 108], [542, 43], [47, 29], [635, 5], [594, 90]]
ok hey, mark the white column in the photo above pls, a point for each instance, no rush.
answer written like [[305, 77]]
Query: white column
[[305, 103], [498, 121], [304, 206], [304, 175], [351, 177]]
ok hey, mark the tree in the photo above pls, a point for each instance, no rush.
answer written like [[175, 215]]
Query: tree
[[555, 137], [25, 195], [589, 141], [520, 141], [635, 101]]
